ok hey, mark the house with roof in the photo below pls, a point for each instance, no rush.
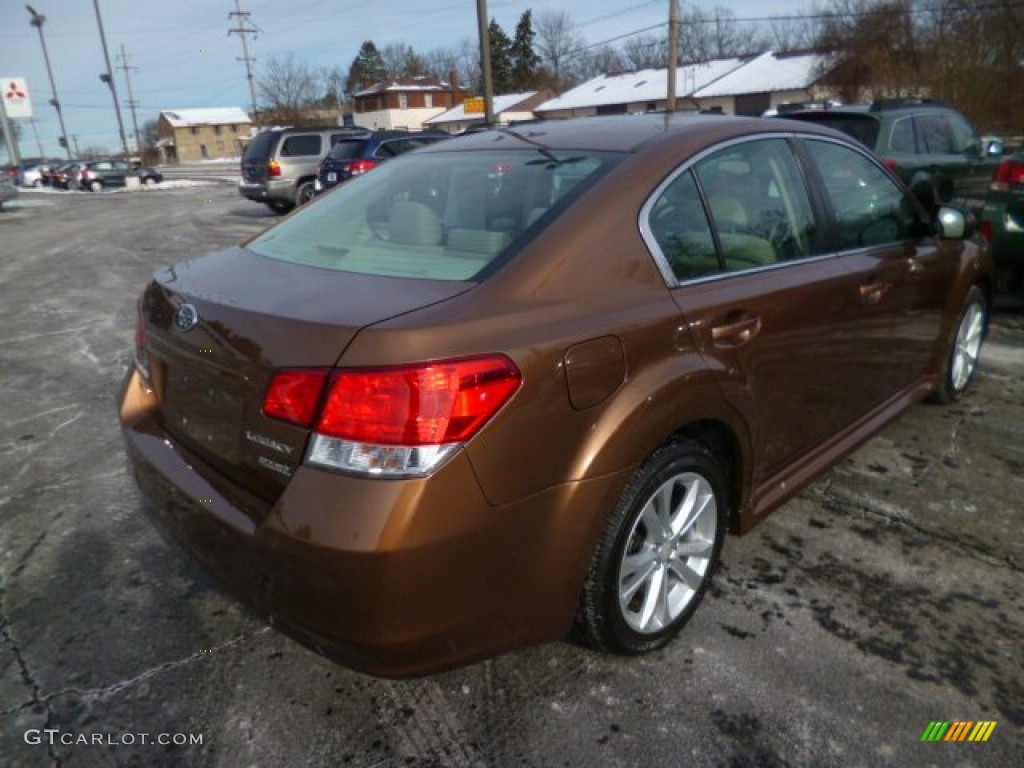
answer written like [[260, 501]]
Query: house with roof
[[209, 133], [764, 83], [642, 91], [508, 108], [405, 103]]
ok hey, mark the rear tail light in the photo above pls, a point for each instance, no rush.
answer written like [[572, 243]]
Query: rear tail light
[[293, 396], [891, 164], [986, 231], [357, 167], [1009, 173], [273, 168], [396, 422]]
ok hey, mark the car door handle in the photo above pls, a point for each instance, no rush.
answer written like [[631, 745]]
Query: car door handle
[[872, 291], [736, 328]]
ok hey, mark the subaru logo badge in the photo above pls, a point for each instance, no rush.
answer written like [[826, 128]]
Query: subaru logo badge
[[186, 317]]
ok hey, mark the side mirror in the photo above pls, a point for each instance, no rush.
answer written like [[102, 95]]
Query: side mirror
[[954, 223]]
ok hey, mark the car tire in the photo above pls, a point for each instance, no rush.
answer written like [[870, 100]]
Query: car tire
[[304, 193], [95, 185], [149, 181], [658, 551], [280, 206], [962, 359]]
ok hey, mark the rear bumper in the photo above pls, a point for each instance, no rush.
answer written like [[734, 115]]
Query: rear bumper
[[267, 191], [390, 577]]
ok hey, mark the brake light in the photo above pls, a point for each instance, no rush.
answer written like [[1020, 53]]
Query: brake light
[[891, 164], [986, 231], [1009, 173], [273, 168], [293, 395], [443, 402], [357, 167], [405, 421]]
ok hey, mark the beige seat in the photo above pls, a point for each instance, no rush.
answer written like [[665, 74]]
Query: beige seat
[[415, 224]]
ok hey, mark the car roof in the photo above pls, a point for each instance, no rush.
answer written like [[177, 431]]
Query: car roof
[[627, 133]]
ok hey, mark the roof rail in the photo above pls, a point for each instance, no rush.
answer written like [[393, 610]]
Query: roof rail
[[899, 102]]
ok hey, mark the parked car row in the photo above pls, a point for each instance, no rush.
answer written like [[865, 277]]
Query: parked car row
[[92, 175], [286, 167]]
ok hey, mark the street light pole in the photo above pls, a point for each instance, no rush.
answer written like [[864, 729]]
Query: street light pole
[[37, 21], [108, 78]]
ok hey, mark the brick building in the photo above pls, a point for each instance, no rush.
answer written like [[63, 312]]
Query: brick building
[[191, 135]]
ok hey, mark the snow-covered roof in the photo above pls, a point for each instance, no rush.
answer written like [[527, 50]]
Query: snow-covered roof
[[406, 85], [644, 85], [502, 103], [183, 118], [769, 72]]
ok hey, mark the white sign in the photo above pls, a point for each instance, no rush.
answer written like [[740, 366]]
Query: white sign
[[16, 99]]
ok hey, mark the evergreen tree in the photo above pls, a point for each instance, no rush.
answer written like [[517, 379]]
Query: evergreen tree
[[501, 58], [367, 67], [525, 61]]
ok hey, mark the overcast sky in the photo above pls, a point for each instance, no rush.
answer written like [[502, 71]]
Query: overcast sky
[[184, 57]]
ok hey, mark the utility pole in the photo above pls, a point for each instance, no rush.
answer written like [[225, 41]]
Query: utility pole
[[243, 30], [673, 54], [485, 60], [37, 21], [131, 99], [108, 78]]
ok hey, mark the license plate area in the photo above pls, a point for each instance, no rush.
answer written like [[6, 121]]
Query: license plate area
[[204, 411], [332, 176]]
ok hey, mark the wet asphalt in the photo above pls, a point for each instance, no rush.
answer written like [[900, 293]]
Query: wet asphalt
[[885, 597]]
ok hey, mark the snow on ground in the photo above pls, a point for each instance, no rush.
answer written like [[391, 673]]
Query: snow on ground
[[166, 184]]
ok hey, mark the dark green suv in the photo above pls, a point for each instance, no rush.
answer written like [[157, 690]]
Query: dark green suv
[[927, 143]]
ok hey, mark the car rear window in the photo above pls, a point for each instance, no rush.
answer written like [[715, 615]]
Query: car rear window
[[863, 128], [438, 215], [347, 149], [261, 146]]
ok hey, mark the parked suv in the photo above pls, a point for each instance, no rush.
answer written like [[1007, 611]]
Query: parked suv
[[359, 154], [279, 165], [927, 143]]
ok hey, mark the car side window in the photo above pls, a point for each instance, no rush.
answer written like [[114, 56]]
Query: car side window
[[302, 145], [869, 207], [965, 140], [902, 138], [681, 229], [936, 134], [759, 204]]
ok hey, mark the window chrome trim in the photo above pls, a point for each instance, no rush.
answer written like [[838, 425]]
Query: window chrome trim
[[661, 261]]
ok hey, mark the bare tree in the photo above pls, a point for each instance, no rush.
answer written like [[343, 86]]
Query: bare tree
[[557, 39], [400, 60], [645, 52], [332, 80], [287, 86], [442, 62], [597, 61]]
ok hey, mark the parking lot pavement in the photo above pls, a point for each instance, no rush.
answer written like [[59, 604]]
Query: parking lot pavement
[[885, 597]]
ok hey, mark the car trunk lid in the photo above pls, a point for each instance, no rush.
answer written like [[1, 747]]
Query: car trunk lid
[[216, 329]]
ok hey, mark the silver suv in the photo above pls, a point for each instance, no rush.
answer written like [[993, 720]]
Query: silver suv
[[279, 165]]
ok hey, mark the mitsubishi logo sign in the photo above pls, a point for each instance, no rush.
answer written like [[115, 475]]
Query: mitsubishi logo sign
[[16, 99]]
